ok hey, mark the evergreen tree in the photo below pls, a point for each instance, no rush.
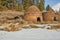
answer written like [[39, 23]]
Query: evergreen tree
[[12, 4], [19, 8], [0, 2], [26, 4], [35, 2], [3, 4], [41, 5], [9, 3], [48, 8]]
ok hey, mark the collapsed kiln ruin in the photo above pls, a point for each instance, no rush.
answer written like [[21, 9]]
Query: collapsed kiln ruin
[[33, 14]]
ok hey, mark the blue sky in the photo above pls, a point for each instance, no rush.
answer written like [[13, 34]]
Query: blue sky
[[51, 2]]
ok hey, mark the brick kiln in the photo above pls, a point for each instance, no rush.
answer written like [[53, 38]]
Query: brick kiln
[[33, 14], [49, 15]]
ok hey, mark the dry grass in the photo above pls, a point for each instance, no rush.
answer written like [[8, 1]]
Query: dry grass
[[17, 26], [34, 26], [11, 27], [14, 26], [55, 27]]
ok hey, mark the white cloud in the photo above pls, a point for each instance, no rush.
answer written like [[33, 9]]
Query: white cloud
[[56, 7]]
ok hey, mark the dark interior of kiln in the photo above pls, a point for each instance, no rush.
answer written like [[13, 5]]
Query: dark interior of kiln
[[55, 19], [38, 19]]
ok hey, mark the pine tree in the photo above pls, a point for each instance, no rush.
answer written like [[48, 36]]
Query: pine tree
[[48, 8], [12, 4], [8, 3], [41, 5], [0, 2], [35, 2], [27, 4], [3, 4], [19, 8]]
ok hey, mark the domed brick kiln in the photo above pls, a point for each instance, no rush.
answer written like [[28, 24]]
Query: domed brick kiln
[[49, 15], [33, 14]]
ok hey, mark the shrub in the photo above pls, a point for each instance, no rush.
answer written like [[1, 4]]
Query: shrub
[[3, 8], [19, 8], [55, 27]]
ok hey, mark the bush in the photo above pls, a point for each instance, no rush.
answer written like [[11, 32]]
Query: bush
[[19, 8], [55, 27], [26, 6], [3, 8]]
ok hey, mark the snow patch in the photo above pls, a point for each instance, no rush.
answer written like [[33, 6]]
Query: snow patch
[[31, 34]]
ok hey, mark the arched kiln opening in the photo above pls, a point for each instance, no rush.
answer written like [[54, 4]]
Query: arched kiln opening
[[55, 19], [38, 19]]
